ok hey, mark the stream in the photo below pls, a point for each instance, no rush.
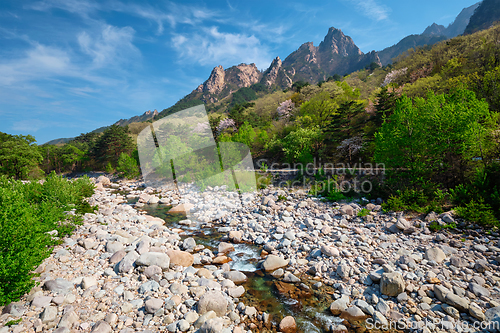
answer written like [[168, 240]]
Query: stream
[[309, 307]]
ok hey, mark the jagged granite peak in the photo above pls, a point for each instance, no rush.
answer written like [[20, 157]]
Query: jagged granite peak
[[247, 75], [271, 74], [435, 30], [336, 42], [215, 82]]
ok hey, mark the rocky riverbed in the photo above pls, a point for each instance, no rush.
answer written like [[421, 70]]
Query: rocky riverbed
[[126, 271]]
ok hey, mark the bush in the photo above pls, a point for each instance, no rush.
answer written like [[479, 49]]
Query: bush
[[363, 212], [127, 166], [478, 212], [27, 213]]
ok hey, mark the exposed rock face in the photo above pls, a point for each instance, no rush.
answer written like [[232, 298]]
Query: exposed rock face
[[215, 82], [336, 54], [271, 74], [336, 42], [222, 82], [248, 75]]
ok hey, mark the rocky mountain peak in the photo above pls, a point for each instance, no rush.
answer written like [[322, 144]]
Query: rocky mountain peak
[[248, 75], [435, 30], [271, 73], [336, 42], [215, 82]]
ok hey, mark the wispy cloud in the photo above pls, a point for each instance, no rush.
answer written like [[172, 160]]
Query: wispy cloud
[[209, 46], [166, 12], [371, 9], [110, 45], [80, 7]]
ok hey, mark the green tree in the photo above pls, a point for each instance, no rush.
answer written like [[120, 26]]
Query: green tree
[[114, 141], [435, 138], [19, 156], [127, 166]]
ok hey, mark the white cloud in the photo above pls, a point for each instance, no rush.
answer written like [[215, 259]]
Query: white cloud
[[39, 61], [171, 13], [80, 7], [372, 9], [211, 47], [109, 46]]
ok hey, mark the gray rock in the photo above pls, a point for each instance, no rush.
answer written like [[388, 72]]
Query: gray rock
[[113, 247], [403, 224], [189, 243], [236, 277], [212, 300], [458, 302], [435, 254], [392, 284], [236, 292], [354, 313], [49, 314], [153, 304], [365, 307], [69, 319], [117, 256], [343, 271], [101, 327], [383, 307], [183, 325], [15, 308], [149, 286], [458, 262], [441, 292], [41, 301], [329, 251], [379, 318], [161, 260], [127, 263], [60, 286], [478, 290], [481, 266], [476, 312], [339, 305], [289, 277], [214, 325]]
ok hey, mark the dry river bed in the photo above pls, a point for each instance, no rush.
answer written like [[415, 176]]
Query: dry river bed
[[126, 271]]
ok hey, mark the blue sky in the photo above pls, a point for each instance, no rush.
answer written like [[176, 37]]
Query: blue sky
[[71, 66]]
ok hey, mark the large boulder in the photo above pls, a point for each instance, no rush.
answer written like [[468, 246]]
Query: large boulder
[[60, 286], [182, 208], [329, 251], [213, 300], [288, 325], [236, 277], [127, 263], [392, 284], [435, 254], [180, 258], [340, 305], [273, 262], [159, 259], [460, 303]]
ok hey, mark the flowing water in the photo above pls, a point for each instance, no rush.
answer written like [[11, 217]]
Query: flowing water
[[309, 307]]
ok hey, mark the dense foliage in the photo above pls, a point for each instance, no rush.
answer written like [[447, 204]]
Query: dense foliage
[[32, 219]]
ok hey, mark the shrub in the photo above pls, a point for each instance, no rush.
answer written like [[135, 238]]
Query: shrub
[[478, 212], [127, 166], [28, 211], [363, 212]]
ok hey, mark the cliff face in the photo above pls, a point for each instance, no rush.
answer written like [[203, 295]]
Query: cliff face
[[336, 54], [222, 82]]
